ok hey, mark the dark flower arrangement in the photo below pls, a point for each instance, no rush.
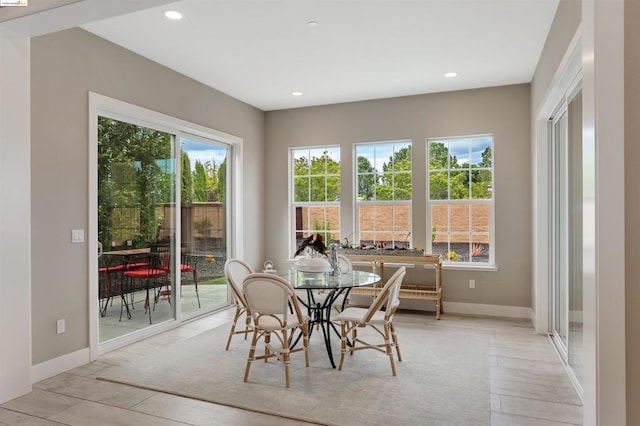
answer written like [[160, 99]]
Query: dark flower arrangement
[[315, 243]]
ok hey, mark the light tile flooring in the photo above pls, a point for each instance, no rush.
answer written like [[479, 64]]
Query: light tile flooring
[[528, 385]]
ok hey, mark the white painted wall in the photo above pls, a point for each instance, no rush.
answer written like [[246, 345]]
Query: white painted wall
[[15, 213], [604, 233], [16, 322]]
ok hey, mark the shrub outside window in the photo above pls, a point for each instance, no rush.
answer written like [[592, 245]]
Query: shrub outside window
[[383, 204], [460, 206], [315, 193]]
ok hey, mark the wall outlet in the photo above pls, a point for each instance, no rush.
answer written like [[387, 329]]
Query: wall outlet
[[77, 236], [61, 326], [472, 283]]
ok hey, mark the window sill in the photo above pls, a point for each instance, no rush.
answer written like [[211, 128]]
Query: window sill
[[445, 265], [468, 267]]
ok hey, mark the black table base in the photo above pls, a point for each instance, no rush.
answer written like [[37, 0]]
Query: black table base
[[320, 314]]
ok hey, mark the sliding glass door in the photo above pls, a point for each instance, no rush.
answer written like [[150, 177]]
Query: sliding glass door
[[136, 227], [204, 223], [574, 132], [560, 230], [566, 226], [158, 263]]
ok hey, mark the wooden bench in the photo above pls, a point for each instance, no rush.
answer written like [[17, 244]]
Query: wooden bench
[[407, 291]]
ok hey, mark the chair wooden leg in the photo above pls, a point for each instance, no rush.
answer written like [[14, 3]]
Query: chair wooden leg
[[354, 338], [252, 355], [343, 343], [247, 324], [305, 343], [285, 359], [233, 328], [387, 344], [395, 341], [267, 341], [285, 356]]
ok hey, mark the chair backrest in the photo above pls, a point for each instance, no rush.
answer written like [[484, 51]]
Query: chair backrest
[[394, 292], [160, 247], [268, 294], [236, 271], [384, 297], [139, 261], [162, 259], [345, 264]]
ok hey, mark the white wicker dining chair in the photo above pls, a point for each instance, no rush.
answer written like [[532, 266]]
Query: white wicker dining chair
[[270, 298], [346, 267], [377, 319], [345, 264], [236, 271]]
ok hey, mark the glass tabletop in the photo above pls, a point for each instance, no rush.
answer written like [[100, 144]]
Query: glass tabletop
[[329, 280]]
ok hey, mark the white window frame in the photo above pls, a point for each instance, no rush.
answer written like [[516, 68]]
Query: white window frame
[[408, 240], [293, 205], [491, 264]]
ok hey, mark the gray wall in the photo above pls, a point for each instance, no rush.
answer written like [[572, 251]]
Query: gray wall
[[65, 66], [502, 111], [564, 26], [632, 205]]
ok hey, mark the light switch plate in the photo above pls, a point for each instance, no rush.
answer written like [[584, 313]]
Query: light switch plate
[[77, 235], [61, 326]]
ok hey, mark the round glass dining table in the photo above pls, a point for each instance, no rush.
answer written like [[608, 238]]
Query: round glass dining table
[[323, 290]]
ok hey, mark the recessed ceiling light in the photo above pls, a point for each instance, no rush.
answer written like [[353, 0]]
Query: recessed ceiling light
[[173, 15], [312, 24], [296, 93], [451, 74]]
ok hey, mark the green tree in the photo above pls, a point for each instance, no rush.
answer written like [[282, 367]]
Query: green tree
[[449, 179], [221, 182], [317, 179], [187, 179], [395, 181], [366, 179], [482, 180], [153, 183], [301, 179], [459, 185], [200, 187], [438, 185], [211, 172], [438, 156], [444, 181], [143, 155], [486, 158]]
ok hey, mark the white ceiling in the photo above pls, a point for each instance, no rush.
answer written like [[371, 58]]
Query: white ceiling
[[260, 51]]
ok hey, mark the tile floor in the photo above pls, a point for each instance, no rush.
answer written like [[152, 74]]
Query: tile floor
[[528, 385]]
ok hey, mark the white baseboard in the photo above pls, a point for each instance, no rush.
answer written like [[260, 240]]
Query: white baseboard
[[575, 316], [490, 310], [533, 317], [55, 366], [459, 308]]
